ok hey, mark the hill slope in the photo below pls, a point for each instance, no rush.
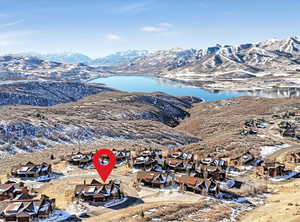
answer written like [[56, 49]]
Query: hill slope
[[108, 115]]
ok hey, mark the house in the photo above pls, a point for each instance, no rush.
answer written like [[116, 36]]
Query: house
[[159, 167], [149, 153], [28, 210], [179, 155], [82, 160], [146, 158], [11, 190], [154, 179], [209, 172], [122, 155], [290, 132], [297, 113], [212, 162], [178, 165], [198, 185], [287, 125], [271, 169], [31, 170], [241, 159], [97, 192], [256, 123], [248, 131], [142, 162], [293, 157]]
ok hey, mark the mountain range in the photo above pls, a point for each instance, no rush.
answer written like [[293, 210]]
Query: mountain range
[[74, 58], [251, 58], [14, 67], [269, 63]]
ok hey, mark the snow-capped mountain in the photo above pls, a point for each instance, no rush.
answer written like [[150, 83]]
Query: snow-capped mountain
[[162, 60], [121, 57], [245, 60], [68, 58], [25, 67], [74, 58]]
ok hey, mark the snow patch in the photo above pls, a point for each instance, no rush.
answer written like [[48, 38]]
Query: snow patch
[[115, 202], [268, 150]]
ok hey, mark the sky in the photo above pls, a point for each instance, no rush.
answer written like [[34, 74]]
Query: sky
[[101, 27]]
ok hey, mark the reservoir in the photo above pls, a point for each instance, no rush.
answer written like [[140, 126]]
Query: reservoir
[[143, 83]]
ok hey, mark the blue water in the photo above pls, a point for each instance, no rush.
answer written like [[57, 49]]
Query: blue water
[[153, 84]]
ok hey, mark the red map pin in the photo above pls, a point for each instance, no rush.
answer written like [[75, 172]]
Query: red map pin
[[104, 170]]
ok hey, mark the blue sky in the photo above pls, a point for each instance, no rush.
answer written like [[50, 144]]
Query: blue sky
[[98, 28]]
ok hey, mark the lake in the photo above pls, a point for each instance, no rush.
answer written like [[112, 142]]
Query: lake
[[149, 83]]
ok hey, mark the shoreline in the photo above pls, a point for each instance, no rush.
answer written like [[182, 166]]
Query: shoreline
[[220, 87]]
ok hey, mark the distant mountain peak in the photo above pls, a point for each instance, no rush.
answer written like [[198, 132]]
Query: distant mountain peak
[[74, 58], [257, 57], [118, 58]]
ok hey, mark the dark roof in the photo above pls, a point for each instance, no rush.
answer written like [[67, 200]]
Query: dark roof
[[24, 196], [94, 181]]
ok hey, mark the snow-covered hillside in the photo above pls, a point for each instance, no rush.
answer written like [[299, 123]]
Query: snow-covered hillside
[[120, 57], [27, 67], [242, 60], [74, 58], [45, 93], [110, 115]]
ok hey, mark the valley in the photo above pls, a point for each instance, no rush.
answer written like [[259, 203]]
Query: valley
[[216, 131], [148, 121], [149, 111], [271, 64]]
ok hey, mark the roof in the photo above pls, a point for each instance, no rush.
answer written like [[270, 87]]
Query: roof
[[31, 167], [174, 161], [23, 208], [23, 196], [186, 179], [192, 180], [13, 207], [94, 181], [5, 187], [95, 188]]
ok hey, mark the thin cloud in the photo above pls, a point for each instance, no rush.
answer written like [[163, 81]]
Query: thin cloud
[[161, 27], [11, 23], [151, 29], [112, 37], [132, 8]]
